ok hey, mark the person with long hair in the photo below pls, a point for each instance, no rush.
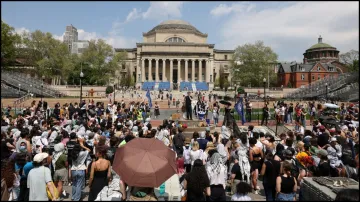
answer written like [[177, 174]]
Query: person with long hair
[[255, 157], [77, 175], [60, 166], [270, 170], [100, 174], [217, 173], [195, 153], [279, 155], [197, 183], [9, 175], [286, 185]]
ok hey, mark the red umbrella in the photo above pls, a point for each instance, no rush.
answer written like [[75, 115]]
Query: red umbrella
[[144, 162]]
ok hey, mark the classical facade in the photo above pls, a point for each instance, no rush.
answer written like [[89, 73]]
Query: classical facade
[[175, 51], [320, 60]]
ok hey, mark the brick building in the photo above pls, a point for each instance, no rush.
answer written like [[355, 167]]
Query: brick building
[[320, 60]]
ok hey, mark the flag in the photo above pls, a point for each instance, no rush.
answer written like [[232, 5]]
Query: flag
[[239, 107], [149, 98]]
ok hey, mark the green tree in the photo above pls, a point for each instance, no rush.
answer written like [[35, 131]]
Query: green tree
[[50, 56], [10, 41], [351, 60], [253, 62], [101, 61]]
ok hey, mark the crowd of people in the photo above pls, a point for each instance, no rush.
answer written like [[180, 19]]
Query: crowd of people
[[41, 152]]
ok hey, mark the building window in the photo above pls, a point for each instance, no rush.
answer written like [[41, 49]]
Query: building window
[[318, 68], [319, 77], [175, 40], [313, 77], [302, 77], [225, 57]]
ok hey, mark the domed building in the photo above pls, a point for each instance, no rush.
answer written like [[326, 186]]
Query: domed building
[[320, 61], [175, 54]]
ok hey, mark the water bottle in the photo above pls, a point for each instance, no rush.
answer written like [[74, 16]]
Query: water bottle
[[162, 189]]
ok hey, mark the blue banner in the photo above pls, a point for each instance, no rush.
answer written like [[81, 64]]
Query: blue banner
[[239, 107], [149, 98]]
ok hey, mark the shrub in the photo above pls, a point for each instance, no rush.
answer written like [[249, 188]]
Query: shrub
[[109, 89]]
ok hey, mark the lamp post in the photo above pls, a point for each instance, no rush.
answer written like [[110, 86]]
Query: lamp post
[[114, 93], [19, 89], [264, 81], [81, 76], [326, 91], [42, 88]]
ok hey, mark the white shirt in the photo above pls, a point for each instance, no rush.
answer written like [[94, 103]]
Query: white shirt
[[194, 155], [238, 197], [259, 144], [282, 111], [217, 179]]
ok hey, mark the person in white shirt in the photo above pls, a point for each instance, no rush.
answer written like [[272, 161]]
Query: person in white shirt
[[195, 153], [217, 173], [282, 113]]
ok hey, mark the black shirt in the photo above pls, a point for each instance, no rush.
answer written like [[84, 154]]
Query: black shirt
[[187, 101], [193, 192], [323, 139], [287, 185], [70, 146], [179, 140], [271, 172], [323, 169], [236, 170]]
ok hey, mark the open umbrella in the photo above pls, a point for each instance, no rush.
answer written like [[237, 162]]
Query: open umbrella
[[330, 105], [224, 102], [144, 162]]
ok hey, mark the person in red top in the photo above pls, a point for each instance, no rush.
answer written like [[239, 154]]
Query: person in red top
[[180, 165]]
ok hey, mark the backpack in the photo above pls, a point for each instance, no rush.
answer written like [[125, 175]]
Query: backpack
[[295, 170]]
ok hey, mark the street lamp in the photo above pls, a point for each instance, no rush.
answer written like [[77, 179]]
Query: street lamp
[[326, 91], [235, 87], [81, 76], [264, 81], [42, 88]]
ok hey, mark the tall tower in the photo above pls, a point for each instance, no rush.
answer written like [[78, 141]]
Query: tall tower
[[71, 35]]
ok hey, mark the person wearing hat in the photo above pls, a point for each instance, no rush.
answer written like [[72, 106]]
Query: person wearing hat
[[39, 178], [334, 153], [323, 169]]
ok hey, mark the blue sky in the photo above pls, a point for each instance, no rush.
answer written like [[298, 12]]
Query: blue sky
[[288, 27]]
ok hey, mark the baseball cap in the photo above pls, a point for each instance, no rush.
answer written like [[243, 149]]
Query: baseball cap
[[322, 152], [40, 157]]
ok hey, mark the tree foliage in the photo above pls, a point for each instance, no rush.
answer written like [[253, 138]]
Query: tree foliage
[[351, 60], [256, 62], [9, 43]]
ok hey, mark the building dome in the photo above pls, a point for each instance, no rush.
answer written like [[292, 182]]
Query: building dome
[[174, 25], [320, 44]]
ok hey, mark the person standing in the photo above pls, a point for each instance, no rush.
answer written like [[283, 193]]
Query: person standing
[[217, 173], [60, 164], [77, 174], [286, 185], [270, 170], [290, 113], [265, 115], [100, 173], [156, 110], [39, 178], [188, 106], [197, 183], [216, 114], [248, 111], [179, 141]]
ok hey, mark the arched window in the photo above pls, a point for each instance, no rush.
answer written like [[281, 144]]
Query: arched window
[[175, 40]]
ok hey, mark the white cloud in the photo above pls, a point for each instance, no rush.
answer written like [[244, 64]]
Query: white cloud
[[293, 29], [133, 15], [161, 10], [224, 9], [21, 30]]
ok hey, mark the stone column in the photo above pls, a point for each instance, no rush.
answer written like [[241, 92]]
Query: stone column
[[138, 66], [157, 70], [163, 70], [142, 70], [207, 72], [200, 70], [171, 71], [150, 74], [179, 71], [193, 71], [186, 70]]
